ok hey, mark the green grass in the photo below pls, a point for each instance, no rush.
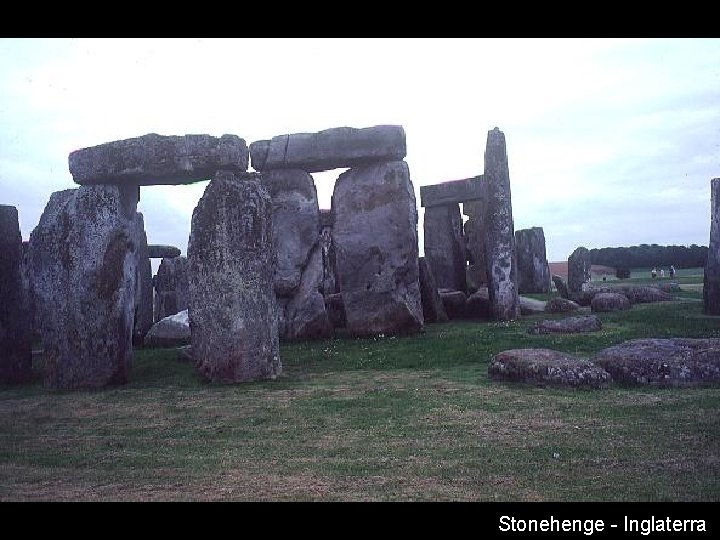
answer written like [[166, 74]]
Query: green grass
[[406, 418]]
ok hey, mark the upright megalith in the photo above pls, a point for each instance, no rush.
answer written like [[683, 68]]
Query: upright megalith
[[328, 252], [376, 249], [578, 270], [433, 309], [445, 246], [144, 286], [233, 317], [500, 258], [297, 240], [475, 235], [171, 287], [84, 262], [533, 270], [15, 315], [158, 159], [330, 149], [711, 282]]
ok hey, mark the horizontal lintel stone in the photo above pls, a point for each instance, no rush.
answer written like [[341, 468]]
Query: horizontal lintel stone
[[452, 192]]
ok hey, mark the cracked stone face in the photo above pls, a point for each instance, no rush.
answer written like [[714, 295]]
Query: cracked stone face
[[84, 259], [376, 249], [233, 311]]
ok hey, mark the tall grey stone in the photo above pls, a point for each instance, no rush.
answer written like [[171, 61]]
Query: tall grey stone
[[578, 270], [171, 287], [533, 270], [376, 248], [233, 317], [84, 262], [330, 149], [475, 233], [500, 258], [15, 315], [445, 246], [154, 159], [298, 245], [144, 286], [561, 286], [711, 281], [433, 309]]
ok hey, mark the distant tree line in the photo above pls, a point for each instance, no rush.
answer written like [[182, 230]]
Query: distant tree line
[[649, 255]]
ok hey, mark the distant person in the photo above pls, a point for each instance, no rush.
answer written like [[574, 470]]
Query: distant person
[[672, 271], [662, 272], [653, 273]]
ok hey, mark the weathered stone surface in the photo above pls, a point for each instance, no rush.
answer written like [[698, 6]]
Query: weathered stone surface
[[330, 149], [584, 298], [452, 192], [143, 283], [84, 262], [326, 218], [500, 258], [171, 331], [376, 247], [662, 362], [669, 286], [561, 305], [233, 317], [336, 310], [454, 303], [560, 286], [301, 250], [546, 367], [159, 251], [327, 244], [533, 269], [640, 294], [609, 302], [154, 159], [578, 269], [530, 306], [711, 280], [474, 231], [433, 309], [172, 289], [305, 314], [296, 224], [477, 305], [15, 310], [445, 246], [568, 325], [28, 283]]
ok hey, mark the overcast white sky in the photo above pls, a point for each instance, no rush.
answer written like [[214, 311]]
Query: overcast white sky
[[610, 141]]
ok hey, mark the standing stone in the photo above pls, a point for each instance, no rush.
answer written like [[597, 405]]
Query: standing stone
[[296, 224], [561, 286], [328, 252], [84, 261], [711, 282], [144, 286], [445, 246], [298, 244], [305, 314], [376, 249], [532, 264], [500, 236], [578, 270], [474, 229], [15, 317], [433, 309], [171, 287], [233, 318]]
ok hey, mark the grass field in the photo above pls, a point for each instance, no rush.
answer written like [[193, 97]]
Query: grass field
[[412, 418]]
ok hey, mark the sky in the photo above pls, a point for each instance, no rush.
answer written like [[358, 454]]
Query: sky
[[611, 142]]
